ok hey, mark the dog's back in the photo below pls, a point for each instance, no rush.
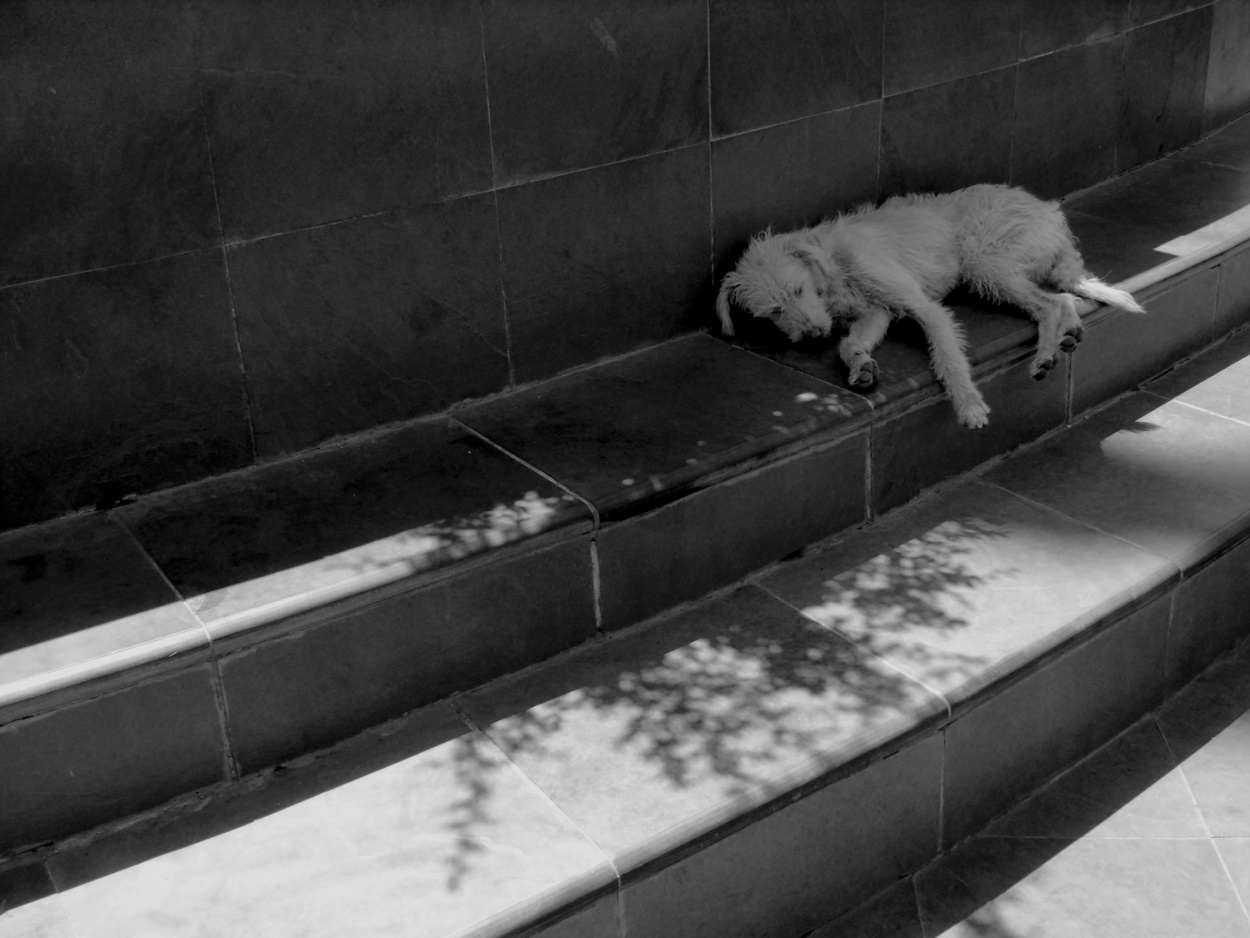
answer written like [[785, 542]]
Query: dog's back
[[915, 231]]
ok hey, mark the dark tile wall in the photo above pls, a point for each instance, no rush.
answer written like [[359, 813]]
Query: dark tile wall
[[232, 229]]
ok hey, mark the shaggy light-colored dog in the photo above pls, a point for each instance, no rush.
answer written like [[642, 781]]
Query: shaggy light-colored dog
[[902, 258]]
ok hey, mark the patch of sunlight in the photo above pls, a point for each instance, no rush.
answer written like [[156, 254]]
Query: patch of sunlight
[[91, 650], [830, 403], [459, 537], [366, 566], [1217, 231]]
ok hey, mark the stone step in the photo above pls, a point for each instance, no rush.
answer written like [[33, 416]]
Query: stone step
[[198, 638], [760, 762]]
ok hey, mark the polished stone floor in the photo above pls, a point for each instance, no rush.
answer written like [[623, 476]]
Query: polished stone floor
[[1149, 836]]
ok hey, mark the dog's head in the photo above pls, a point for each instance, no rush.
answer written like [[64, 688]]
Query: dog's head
[[782, 278]]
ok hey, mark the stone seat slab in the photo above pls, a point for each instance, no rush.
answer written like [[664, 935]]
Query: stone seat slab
[[286, 607], [768, 757], [254, 547], [1156, 473], [966, 588], [644, 429]]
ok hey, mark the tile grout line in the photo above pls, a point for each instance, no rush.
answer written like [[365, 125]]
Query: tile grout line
[[104, 268], [870, 509], [494, 184], [1080, 522], [1206, 826], [862, 647], [1168, 664], [711, 183], [941, 818], [595, 521], [474, 726], [225, 263], [594, 512], [1201, 410], [230, 759], [1015, 112]]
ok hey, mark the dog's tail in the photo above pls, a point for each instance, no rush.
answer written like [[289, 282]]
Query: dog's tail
[[727, 286], [1094, 289]]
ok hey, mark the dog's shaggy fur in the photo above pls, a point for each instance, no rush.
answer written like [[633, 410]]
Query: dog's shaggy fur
[[902, 258]]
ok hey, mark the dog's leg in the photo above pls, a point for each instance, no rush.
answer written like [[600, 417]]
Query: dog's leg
[[950, 362], [1070, 328], [866, 333], [894, 286], [946, 352], [1058, 325]]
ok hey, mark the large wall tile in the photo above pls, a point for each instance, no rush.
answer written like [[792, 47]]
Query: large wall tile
[[932, 41], [593, 83], [1165, 76], [117, 381], [949, 135], [322, 117], [793, 174], [102, 162], [773, 62], [1228, 68], [347, 326], [606, 260], [1067, 105], [1057, 24]]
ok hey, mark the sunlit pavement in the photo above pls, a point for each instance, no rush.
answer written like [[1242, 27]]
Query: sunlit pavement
[[1149, 836]]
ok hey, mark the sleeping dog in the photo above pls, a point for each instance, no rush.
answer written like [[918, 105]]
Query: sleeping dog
[[902, 258]]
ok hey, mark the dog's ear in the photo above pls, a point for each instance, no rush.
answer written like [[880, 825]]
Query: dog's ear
[[816, 261], [731, 282]]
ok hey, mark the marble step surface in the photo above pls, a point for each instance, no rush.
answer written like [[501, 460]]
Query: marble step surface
[[200, 638], [838, 729]]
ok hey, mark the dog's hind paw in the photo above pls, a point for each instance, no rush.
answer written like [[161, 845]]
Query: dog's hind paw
[[864, 375], [1071, 337], [1042, 366]]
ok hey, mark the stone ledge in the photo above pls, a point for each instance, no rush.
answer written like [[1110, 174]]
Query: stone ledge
[[769, 757], [364, 595]]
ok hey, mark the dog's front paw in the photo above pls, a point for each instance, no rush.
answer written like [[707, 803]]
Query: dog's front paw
[[974, 416], [864, 375]]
